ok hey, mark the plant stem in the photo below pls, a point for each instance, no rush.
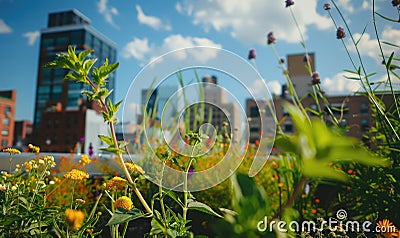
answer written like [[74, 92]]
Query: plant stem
[[118, 154], [291, 199]]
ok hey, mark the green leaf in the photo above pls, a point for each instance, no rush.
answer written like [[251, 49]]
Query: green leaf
[[106, 139], [199, 206], [82, 56], [389, 62], [386, 18], [122, 216], [321, 169]]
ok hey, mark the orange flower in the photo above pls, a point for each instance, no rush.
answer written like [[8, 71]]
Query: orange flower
[[123, 202], [74, 219], [387, 228], [116, 182]]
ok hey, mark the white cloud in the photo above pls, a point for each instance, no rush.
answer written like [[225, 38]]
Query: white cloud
[[368, 46], [346, 5], [4, 28], [249, 21], [275, 87], [339, 85], [151, 21], [107, 11], [32, 36], [143, 51], [257, 87]]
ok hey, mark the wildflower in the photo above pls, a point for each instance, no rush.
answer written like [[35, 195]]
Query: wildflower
[[41, 161], [281, 60], [340, 34], [327, 6], [2, 187], [50, 160], [13, 188], [123, 202], [116, 182], [252, 54], [317, 200], [270, 38], [85, 160], [280, 184], [134, 168], [51, 182], [289, 3], [315, 78], [74, 218], [76, 174], [12, 151], [99, 213], [28, 166], [395, 3], [34, 148]]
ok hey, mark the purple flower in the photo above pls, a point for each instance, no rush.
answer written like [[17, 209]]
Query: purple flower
[[315, 78], [340, 34], [190, 172], [270, 38], [252, 54], [395, 3], [281, 60], [289, 3], [327, 6]]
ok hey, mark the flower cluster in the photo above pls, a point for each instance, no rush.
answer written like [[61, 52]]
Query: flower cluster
[[34, 148], [327, 6], [76, 175], [340, 34], [116, 183], [252, 54], [134, 168], [289, 3], [74, 219], [271, 38], [315, 78], [12, 151], [85, 160], [123, 202]]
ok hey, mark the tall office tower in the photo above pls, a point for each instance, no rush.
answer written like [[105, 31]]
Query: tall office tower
[[53, 94]]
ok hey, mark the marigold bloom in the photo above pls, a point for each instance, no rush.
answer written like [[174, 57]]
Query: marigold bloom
[[12, 151], [387, 228], [252, 54], [85, 160], [74, 218], [340, 34], [134, 168], [315, 78], [76, 175], [123, 202], [34, 148], [289, 3], [270, 38], [327, 6], [116, 182]]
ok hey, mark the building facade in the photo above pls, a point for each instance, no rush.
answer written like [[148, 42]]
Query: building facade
[[7, 117], [53, 94], [22, 133]]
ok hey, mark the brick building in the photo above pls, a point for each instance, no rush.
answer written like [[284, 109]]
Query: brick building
[[7, 117]]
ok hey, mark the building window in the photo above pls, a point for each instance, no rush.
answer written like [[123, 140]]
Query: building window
[[4, 143], [44, 89], [364, 107], [4, 132], [254, 112], [6, 121], [8, 111], [364, 124]]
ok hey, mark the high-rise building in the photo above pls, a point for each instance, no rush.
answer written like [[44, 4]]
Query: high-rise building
[[22, 133], [7, 117], [53, 94], [300, 76]]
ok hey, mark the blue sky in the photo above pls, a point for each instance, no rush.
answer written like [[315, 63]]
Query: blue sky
[[147, 29]]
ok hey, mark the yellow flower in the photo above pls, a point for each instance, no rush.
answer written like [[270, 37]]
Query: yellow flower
[[28, 166], [74, 219], [134, 168], [76, 174], [123, 202], [34, 148], [12, 151], [85, 160], [116, 182]]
